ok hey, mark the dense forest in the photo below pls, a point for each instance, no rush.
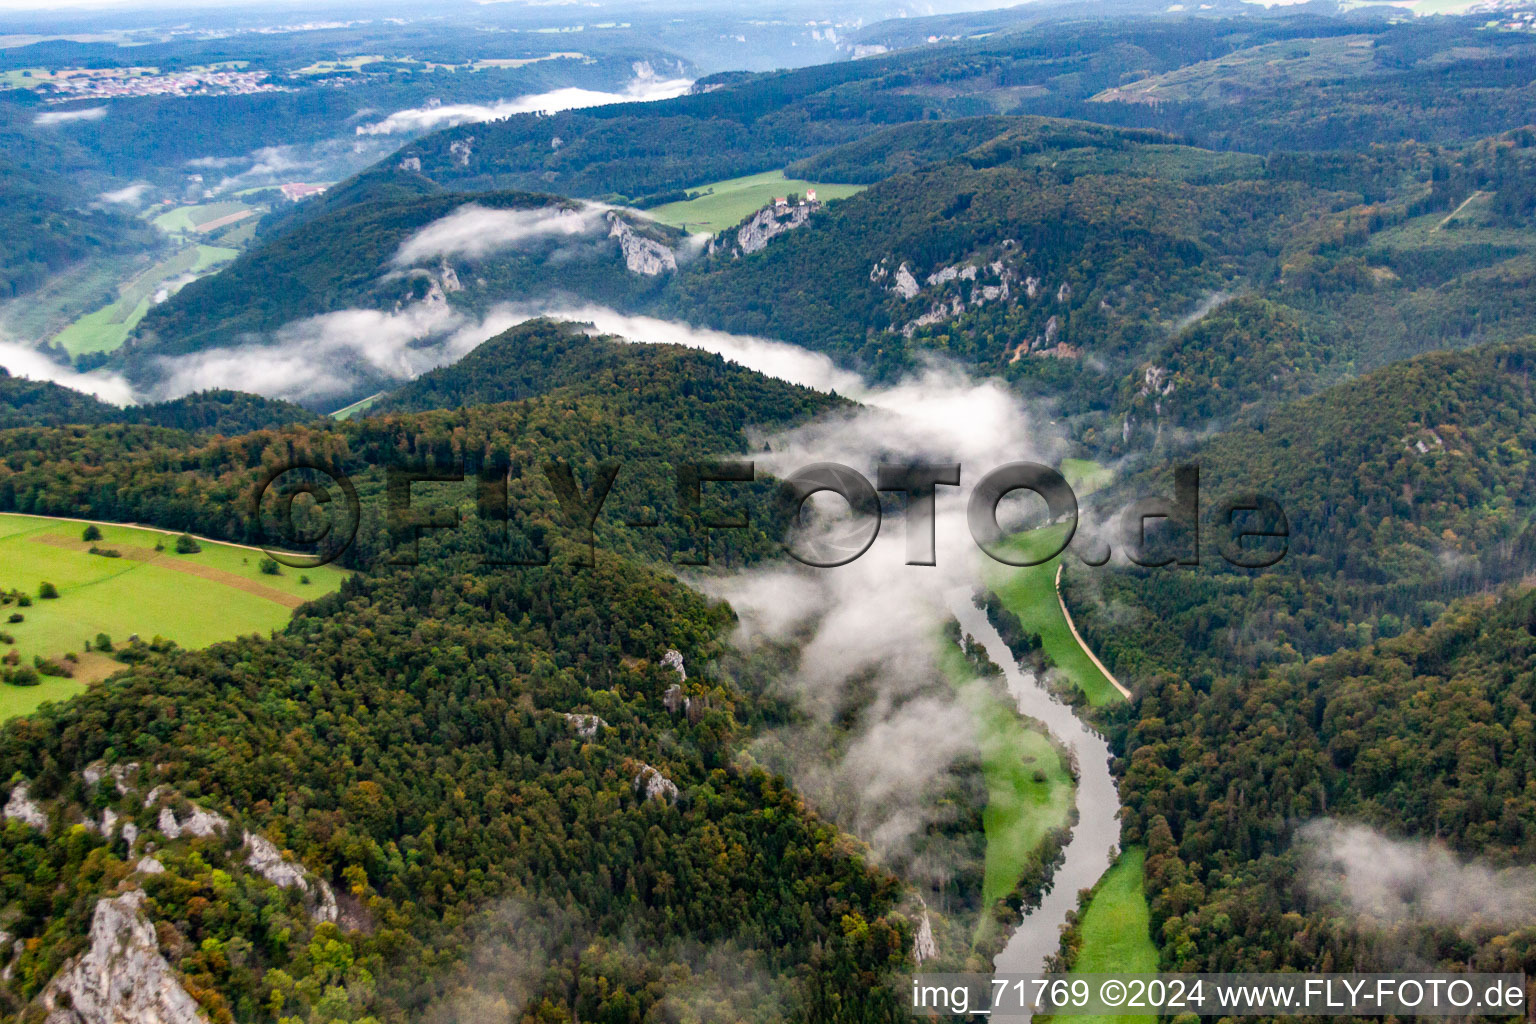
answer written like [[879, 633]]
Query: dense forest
[[1426, 735], [29, 403], [48, 228]]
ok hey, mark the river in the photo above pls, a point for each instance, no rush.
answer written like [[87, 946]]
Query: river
[[1097, 833]]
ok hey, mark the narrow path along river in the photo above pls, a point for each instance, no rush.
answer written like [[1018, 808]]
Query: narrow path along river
[[1097, 832]]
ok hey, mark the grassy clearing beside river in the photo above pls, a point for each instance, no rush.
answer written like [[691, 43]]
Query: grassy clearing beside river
[[1030, 593], [1029, 791], [1116, 932]]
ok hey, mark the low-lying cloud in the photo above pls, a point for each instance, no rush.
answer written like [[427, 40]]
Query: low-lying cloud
[[130, 195], [56, 117], [329, 357], [23, 361], [417, 120], [475, 231], [869, 633], [1395, 881]]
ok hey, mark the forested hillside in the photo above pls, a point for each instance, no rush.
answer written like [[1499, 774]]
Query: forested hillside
[[29, 403], [485, 763], [1402, 490], [1425, 736], [48, 228], [420, 744]]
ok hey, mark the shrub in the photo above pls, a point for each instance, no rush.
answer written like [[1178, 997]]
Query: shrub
[[269, 567], [106, 552], [91, 533], [23, 677], [12, 657], [49, 667], [16, 617], [23, 600], [304, 579], [186, 544], [6, 638], [48, 592], [103, 642], [1039, 775]]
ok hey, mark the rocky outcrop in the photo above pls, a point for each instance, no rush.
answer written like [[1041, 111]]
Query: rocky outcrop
[[655, 786], [673, 659], [263, 857], [21, 807], [924, 947], [121, 978], [198, 823], [904, 284], [642, 255], [462, 150], [770, 222], [586, 726]]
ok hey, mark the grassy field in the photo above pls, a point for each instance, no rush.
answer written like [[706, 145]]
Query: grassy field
[[189, 218], [194, 600], [105, 329], [360, 406], [1030, 593], [1116, 932], [1020, 808], [724, 204]]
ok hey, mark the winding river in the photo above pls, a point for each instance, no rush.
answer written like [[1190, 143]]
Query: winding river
[[1097, 833]]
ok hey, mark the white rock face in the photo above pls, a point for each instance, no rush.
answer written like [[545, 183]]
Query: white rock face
[[768, 223], [673, 659], [462, 150], [122, 978], [905, 284], [149, 866], [198, 823], [923, 945], [642, 255], [263, 857], [655, 785], [24, 809], [586, 726]]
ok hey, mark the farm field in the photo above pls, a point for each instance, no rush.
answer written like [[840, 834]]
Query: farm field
[[192, 218], [1030, 593], [724, 204], [194, 599], [107, 328], [1115, 930]]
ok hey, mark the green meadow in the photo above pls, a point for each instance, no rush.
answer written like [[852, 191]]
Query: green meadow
[[1030, 593], [724, 204], [1021, 808], [105, 329], [194, 599], [1116, 932]]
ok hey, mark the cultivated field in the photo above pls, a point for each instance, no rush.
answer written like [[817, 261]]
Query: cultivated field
[[105, 329], [724, 204], [193, 599]]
